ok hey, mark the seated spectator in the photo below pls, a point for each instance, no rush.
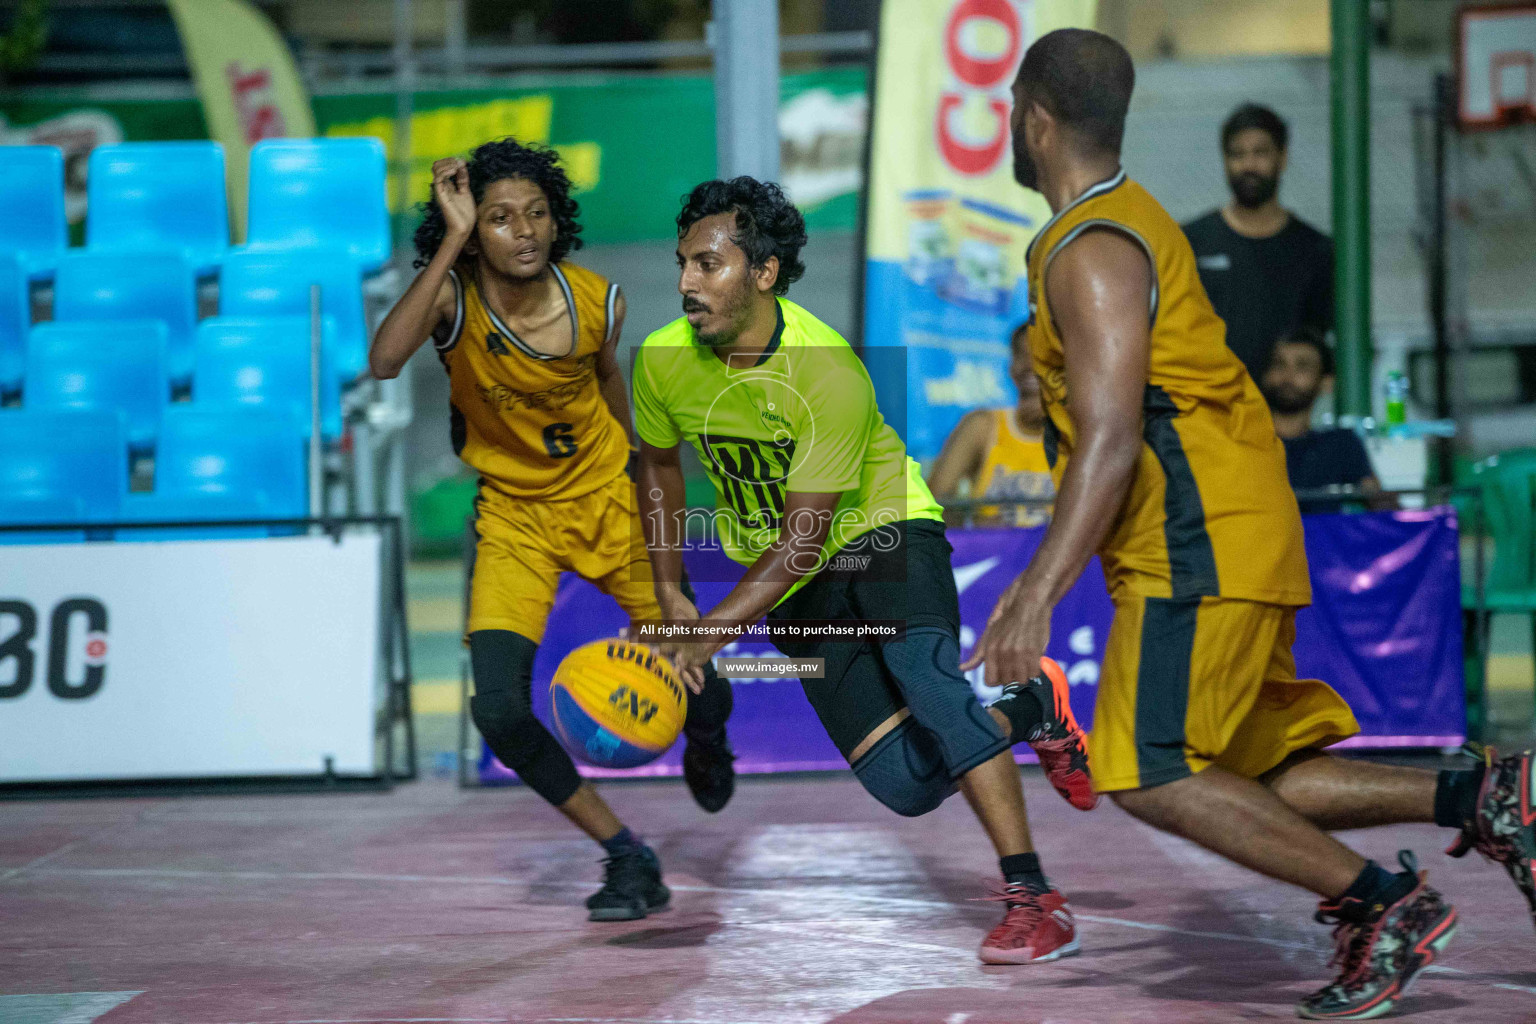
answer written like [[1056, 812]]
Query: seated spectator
[[999, 454], [1301, 369]]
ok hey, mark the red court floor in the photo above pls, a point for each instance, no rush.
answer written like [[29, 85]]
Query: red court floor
[[803, 901]]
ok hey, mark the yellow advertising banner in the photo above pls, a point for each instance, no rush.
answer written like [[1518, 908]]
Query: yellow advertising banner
[[247, 82], [947, 225]]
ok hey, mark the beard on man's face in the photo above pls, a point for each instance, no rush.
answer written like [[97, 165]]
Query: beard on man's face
[[1287, 399], [733, 311], [1024, 170], [1252, 189]]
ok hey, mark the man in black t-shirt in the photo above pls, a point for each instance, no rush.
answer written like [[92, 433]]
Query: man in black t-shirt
[[1266, 270], [1299, 369]]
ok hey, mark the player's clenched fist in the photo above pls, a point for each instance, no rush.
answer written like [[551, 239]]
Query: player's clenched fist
[[450, 185]]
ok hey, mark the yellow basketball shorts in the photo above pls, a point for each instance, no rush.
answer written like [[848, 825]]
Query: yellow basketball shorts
[[524, 546], [1188, 683]]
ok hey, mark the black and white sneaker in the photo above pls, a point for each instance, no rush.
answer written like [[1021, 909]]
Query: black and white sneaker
[[1379, 957], [631, 887], [710, 771], [1503, 828]]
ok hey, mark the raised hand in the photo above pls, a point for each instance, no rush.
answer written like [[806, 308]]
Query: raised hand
[[450, 186]]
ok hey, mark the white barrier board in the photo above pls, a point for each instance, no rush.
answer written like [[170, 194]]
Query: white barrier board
[[179, 659]]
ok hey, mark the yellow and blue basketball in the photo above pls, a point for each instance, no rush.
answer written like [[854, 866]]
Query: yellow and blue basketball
[[617, 704]]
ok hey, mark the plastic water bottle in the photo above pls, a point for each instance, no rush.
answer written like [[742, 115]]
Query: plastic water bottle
[[1397, 399]]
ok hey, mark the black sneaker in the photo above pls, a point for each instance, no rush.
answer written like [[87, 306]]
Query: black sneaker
[[1379, 958], [631, 887], [1503, 829], [710, 772]]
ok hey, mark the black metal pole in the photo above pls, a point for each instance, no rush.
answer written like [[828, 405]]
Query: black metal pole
[[1438, 268]]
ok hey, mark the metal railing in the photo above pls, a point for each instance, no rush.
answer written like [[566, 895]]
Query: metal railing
[[319, 63], [481, 59]]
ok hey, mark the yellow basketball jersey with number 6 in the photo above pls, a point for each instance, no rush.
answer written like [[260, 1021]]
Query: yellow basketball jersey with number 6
[[534, 425]]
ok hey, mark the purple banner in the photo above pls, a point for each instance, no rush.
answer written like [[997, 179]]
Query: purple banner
[[1384, 630]]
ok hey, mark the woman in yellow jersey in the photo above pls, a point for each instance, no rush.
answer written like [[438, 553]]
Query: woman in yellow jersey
[[1000, 454], [539, 409]]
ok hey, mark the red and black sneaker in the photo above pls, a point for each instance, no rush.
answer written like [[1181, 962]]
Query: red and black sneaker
[[1036, 928], [1058, 741], [1503, 829], [1379, 958]]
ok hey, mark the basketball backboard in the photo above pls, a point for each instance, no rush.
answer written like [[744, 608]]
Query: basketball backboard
[[1496, 65]]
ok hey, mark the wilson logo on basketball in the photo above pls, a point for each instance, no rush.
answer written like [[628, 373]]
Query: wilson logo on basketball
[[627, 701], [648, 660]]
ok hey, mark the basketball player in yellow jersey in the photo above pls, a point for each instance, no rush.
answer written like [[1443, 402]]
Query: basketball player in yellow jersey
[[1170, 468], [539, 410], [999, 453]]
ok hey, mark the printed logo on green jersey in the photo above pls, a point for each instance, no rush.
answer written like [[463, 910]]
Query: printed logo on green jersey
[[752, 473], [771, 417]]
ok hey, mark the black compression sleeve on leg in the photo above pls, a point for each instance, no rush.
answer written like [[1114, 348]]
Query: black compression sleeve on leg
[[925, 665], [502, 660], [708, 711], [503, 712]]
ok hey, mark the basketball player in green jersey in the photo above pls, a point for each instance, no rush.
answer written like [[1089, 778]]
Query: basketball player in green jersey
[[817, 497]]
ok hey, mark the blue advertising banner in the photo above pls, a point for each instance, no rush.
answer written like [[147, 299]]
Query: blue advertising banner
[[1384, 630]]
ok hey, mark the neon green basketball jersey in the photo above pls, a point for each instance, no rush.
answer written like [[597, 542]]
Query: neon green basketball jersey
[[800, 417]]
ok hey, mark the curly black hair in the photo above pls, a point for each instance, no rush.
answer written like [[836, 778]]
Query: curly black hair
[[767, 223], [507, 158]]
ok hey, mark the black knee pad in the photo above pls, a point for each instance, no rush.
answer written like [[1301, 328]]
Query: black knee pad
[[502, 711], [925, 665], [905, 771]]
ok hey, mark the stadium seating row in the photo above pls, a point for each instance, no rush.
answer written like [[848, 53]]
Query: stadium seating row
[[304, 194], [115, 286], [97, 382], [121, 365], [71, 467]]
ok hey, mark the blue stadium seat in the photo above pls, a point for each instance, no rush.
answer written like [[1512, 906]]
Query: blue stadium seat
[[320, 194], [259, 284], [15, 322], [36, 511], [32, 207], [117, 365], [132, 286], [249, 459], [265, 362], [159, 195], [74, 454]]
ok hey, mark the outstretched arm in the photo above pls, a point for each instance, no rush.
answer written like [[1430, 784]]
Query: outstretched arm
[[1099, 288]]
